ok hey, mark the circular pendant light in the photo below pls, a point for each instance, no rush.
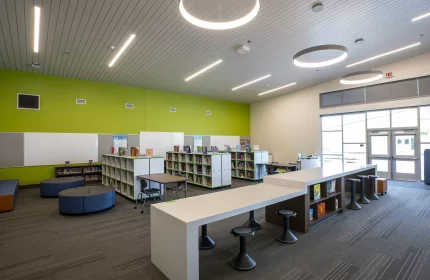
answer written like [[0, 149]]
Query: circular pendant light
[[376, 75], [322, 63], [219, 25]]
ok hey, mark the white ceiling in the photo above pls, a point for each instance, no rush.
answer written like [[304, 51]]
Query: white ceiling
[[168, 49]]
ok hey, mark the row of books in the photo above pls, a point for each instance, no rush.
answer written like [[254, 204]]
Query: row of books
[[93, 177], [69, 170], [321, 209], [316, 189], [93, 169]]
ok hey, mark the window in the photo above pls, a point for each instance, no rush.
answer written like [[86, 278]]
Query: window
[[331, 123], [332, 142], [378, 119], [404, 117], [354, 128]]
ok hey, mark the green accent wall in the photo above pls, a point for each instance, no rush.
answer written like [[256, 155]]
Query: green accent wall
[[105, 112]]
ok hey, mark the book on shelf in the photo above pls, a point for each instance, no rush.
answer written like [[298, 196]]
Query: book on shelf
[[256, 147], [199, 149], [337, 204], [214, 149], [205, 150], [241, 174], [331, 186], [321, 208], [311, 214], [187, 149], [238, 148], [248, 148], [316, 192], [176, 149], [134, 152], [122, 151]]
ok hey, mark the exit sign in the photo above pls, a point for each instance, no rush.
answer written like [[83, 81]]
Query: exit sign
[[388, 74]]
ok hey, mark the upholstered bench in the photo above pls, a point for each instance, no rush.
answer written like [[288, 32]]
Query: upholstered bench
[[85, 200], [8, 194], [51, 187]]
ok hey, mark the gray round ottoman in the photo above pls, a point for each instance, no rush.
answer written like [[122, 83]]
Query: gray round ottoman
[[86, 199], [52, 187]]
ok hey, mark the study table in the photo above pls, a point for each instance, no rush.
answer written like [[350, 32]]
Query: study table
[[164, 179], [177, 255]]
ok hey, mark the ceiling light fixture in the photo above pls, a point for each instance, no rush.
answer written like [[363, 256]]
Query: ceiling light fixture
[[203, 70], [36, 28], [132, 36], [275, 89], [219, 25], [421, 17], [251, 82], [385, 54], [322, 63], [376, 76]]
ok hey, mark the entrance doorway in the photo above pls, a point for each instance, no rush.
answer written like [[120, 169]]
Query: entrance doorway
[[395, 152]]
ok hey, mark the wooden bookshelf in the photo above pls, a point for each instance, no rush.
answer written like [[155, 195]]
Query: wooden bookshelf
[[91, 172]]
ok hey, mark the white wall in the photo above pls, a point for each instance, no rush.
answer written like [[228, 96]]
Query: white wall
[[290, 123]]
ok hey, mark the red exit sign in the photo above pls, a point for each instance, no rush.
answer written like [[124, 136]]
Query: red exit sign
[[388, 74]]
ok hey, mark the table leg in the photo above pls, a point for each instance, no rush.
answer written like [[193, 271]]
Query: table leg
[[186, 189], [165, 192]]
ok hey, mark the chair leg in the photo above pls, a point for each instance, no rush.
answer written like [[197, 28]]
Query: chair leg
[[137, 199], [143, 204], [176, 192]]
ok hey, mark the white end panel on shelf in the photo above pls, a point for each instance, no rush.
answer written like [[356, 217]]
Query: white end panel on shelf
[[160, 142], [216, 171], [141, 167], [56, 148], [226, 169], [156, 165], [220, 141]]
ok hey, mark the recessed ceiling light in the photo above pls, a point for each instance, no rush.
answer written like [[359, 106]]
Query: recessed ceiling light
[[219, 25], [251, 82], [122, 50], [421, 17], [275, 89], [322, 63], [376, 76], [36, 28], [203, 70], [385, 54]]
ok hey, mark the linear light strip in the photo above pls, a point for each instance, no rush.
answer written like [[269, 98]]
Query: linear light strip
[[385, 54], [36, 28], [421, 17], [251, 82], [275, 89], [122, 50], [203, 70]]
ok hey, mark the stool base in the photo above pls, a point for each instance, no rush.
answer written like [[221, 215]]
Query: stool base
[[243, 262], [374, 196], [252, 224], [206, 243], [363, 200], [353, 206], [287, 237]]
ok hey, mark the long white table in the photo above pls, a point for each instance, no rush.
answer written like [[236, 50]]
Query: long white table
[[175, 225]]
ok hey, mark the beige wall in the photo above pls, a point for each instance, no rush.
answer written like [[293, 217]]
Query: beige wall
[[290, 123]]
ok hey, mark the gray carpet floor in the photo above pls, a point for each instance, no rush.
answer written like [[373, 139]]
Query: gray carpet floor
[[388, 239]]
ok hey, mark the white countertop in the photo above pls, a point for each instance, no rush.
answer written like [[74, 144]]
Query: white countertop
[[212, 207], [314, 175]]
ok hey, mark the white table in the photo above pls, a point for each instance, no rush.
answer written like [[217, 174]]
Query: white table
[[175, 225]]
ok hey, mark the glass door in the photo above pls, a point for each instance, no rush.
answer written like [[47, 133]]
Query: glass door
[[379, 151], [406, 163]]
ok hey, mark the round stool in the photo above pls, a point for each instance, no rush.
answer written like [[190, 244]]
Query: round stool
[[362, 199], [373, 195], [353, 204], [206, 242], [242, 261], [252, 223], [287, 236]]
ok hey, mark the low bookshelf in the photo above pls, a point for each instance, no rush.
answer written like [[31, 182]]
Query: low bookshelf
[[249, 165], [91, 172], [330, 199]]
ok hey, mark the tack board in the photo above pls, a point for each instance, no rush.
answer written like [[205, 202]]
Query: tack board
[[11, 150], [160, 142], [56, 148]]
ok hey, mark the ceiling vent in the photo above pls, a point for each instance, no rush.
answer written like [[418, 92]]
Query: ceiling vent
[[242, 49], [35, 65], [81, 101], [208, 113], [172, 110], [129, 106]]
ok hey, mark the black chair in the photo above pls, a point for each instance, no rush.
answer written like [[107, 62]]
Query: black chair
[[206, 242], [148, 192], [287, 236], [353, 204], [252, 223], [175, 189], [362, 199], [243, 261], [373, 195]]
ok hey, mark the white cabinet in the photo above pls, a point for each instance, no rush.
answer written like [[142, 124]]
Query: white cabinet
[[122, 173], [249, 165], [226, 169]]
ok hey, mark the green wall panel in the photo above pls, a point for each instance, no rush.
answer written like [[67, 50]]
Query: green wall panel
[[105, 112]]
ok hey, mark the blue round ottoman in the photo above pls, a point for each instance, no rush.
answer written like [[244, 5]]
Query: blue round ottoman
[[52, 187], [85, 200]]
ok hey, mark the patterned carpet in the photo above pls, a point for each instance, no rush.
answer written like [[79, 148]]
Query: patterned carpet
[[388, 239]]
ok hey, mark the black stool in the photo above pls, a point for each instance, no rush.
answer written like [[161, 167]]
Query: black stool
[[353, 204], [373, 195], [252, 223], [362, 199], [243, 261], [287, 236], [205, 242]]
